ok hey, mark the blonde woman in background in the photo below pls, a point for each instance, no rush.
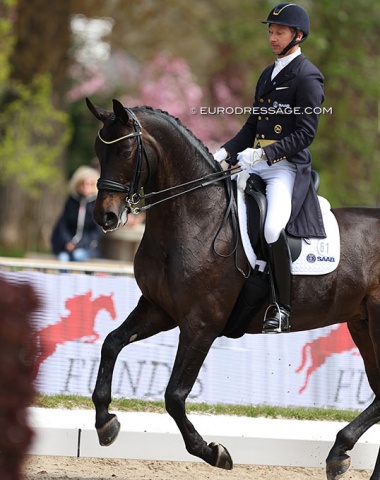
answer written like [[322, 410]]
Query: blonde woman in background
[[76, 236]]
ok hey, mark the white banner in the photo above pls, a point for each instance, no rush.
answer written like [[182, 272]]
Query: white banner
[[318, 368]]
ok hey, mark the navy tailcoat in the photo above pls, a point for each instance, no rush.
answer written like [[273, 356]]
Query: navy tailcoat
[[286, 110]]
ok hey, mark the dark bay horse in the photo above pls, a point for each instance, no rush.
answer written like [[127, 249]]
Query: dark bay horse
[[189, 276]]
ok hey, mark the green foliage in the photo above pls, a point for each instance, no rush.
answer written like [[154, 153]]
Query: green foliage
[[81, 146], [6, 40], [344, 44], [34, 135], [225, 41]]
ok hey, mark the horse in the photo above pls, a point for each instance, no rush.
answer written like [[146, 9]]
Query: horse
[[190, 269]]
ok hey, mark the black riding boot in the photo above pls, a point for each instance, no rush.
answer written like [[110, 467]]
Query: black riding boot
[[280, 263]]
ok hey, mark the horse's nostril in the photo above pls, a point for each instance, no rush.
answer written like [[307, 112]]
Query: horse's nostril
[[110, 220]]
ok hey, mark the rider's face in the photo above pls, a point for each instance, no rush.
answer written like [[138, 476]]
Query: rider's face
[[279, 37]]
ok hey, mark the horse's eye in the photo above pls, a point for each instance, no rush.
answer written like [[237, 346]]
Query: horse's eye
[[126, 154]]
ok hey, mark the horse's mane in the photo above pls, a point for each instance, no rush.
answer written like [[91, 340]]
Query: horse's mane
[[194, 140]]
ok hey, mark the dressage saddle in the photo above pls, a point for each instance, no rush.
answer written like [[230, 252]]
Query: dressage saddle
[[257, 286]]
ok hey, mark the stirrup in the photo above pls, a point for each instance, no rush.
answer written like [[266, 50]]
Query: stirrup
[[279, 324]]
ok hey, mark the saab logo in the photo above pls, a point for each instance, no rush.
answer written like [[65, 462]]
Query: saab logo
[[311, 258], [280, 105], [326, 259], [79, 324]]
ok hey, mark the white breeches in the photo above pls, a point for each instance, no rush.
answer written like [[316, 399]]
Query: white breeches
[[279, 179]]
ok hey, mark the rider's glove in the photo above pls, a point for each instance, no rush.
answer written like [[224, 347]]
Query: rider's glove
[[221, 155], [249, 157]]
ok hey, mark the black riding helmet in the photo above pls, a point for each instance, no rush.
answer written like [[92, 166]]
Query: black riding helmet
[[290, 15]]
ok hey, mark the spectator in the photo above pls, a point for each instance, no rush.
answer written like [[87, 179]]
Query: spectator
[[76, 236]]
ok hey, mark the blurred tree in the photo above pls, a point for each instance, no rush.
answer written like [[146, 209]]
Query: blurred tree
[[345, 44], [7, 38], [226, 46], [34, 129], [223, 48]]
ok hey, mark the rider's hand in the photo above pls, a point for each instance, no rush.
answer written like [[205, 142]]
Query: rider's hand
[[221, 155], [249, 157]]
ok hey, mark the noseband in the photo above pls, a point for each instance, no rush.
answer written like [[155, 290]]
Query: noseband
[[132, 190]]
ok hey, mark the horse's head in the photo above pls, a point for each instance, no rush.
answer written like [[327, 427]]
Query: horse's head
[[123, 164]]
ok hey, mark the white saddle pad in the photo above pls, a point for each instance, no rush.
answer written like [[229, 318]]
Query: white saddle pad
[[318, 255]]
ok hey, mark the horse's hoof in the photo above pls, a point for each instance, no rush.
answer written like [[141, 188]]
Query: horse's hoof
[[108, 433], [336, 469], [221, 457]]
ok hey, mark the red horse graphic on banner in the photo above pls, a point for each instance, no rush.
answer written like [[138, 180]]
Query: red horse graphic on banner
[[77, 325], [317, 352]]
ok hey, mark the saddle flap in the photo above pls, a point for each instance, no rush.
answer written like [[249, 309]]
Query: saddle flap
[[256, 214]]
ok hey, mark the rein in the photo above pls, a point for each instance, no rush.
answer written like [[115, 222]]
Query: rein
[[133, 196], [206, 180]]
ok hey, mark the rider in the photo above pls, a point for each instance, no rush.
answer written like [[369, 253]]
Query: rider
[[282, 125]]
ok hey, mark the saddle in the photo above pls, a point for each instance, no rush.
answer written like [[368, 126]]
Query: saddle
[[256, 288], [257, 210]]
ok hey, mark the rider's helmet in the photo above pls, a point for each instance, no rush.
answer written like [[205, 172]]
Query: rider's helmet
[[290, 15]]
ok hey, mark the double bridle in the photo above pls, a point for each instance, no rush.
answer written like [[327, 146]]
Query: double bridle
[[132, 191], [134, 196]]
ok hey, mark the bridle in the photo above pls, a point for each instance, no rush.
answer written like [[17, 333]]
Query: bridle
[[134, 196], [132, 190]]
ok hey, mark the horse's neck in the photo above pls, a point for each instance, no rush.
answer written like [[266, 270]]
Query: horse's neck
[[182, 158]]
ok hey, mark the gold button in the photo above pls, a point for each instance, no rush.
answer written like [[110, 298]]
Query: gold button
[[269, 100], [277, 129], [261, 100], [262, 135], [259, 118], [266, 118]]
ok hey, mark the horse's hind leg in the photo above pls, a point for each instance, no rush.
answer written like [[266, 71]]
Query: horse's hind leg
[[367, 338], [338, 462], [194, 344], [143, 322]]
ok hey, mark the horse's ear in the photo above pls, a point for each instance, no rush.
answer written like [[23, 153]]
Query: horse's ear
[[99, 112], [120, 112]]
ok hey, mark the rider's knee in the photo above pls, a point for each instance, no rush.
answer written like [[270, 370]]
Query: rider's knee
[[272, 233]]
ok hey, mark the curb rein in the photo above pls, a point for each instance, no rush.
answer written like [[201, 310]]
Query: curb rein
[[133, 192]]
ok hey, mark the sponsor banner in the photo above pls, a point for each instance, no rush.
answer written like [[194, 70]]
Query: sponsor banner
[[318, 368]]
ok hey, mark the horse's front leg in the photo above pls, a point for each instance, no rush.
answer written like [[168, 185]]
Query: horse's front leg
[[143, 322], [194, 344]]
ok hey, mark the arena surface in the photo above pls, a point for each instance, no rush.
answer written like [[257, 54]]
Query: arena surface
[[70, 468], [149, 447]]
